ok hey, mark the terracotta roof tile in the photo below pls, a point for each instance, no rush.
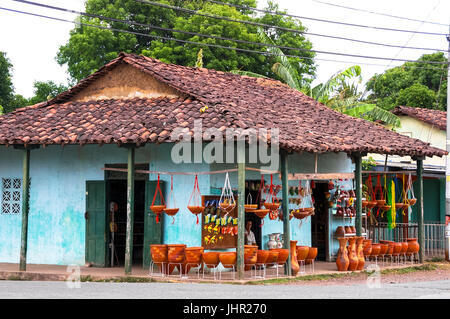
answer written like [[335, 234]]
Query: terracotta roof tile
[[433, 117]]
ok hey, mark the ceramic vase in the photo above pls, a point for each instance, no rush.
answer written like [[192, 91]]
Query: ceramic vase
[[352, 257], [342, 261], [360, 253], [295, 267], [312, 254], [413, 246]]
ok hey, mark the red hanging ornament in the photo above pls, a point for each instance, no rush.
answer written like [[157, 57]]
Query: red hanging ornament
[[158, 209]]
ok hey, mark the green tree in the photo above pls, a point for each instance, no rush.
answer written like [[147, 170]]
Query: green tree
[[6, 86], [44, 91], [89, 48], [392, 87]]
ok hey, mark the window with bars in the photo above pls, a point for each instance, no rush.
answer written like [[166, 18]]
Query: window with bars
[[11, 195]]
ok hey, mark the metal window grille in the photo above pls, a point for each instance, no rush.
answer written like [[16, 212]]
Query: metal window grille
[[11, 195]]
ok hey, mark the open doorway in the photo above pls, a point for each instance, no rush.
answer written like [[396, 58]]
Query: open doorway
[[319, 221], [251, 197]]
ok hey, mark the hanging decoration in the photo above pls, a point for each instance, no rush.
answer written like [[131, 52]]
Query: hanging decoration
[[227, 202], [272, 203], [194, 204], [171, 209], [370, 194], [249, 206], [391, 214], [387, 206], [410, 192], [158, 209], [381, 202], [404, 197]]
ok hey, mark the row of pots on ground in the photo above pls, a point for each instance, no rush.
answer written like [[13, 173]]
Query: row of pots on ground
[[353, 256], [187, 257]]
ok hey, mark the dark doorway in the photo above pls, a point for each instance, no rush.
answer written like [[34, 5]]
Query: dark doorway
[[252, 188], [116, 192], [319, 222]]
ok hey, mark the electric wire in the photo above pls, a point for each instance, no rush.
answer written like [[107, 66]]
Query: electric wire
[[198, 43], [226, 39], [306, 18]]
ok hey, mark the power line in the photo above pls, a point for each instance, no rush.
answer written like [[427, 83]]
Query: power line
[[305, 18], [379, 13], [221, 38], [128, 22], [197, 43]]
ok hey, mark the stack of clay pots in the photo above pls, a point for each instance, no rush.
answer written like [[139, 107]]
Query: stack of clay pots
[[351, 257]]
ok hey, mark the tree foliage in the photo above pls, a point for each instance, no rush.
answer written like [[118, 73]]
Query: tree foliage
[[6, 86], [404, 85], [89, 48], [44, 91]]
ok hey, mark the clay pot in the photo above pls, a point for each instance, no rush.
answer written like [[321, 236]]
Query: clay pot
[[295, 267], [228, 259], [157, 209], [397, 249], [342, 261], [398, 205], [283, 255], [262, 256], [404, 248], [211, 259], [193, 257], [352, 257], [412, 201], [367, 247], [390, 244], [360, 253], [250, 256], [312, 254], [381, 202], [371, 204], [196, 209], [383, 250], [272, 258], [171, 211], [300, 214], [413, 246], [376, 248], [348, 230], [250, 208], [340, 231], [176, 255], [353, 228], [302, 252], [271, 206], [364, 203], [159, 255], [261, 213]]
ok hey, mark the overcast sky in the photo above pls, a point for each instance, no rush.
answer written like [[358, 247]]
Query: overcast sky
[[31, 43]]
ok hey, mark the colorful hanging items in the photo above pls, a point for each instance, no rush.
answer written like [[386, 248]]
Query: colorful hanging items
[[387, 206], [404, 197], [227, 202], [158, 209], [171, 209], [380, 198], [272, 203], [370, 196], [391, 214], [410, 192], [194, 204]]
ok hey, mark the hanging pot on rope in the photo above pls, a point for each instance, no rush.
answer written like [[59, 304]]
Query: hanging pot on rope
[[249, 207], [171, 209], [272, 203], [194, 204], [227, 202], [158, 209]]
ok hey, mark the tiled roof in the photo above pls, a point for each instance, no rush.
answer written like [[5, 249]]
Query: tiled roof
[[433, 117], [233, 101]]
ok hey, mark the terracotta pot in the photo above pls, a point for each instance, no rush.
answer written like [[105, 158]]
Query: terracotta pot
[[261, 213], [171, 211], [312, 254], [376, 248], [157, 209], [365, 203], [196, 209], [371, 204], [397, 249], [381, 202], [262, 256], [413, 246], [360, 253], [295, 267], [342, 261], [250, 256], [228, 259], [272, 258], [211, 259], [353, 228], [348, 230], [398, 205], [159, 255], [302, 252], [404, 247], [390, 244], [271, 206], [176, 255], [250, 208], [283, 255], [352, 257], [193, 257], [300, 214], [367, 247], [412, 201], [383, 250], [340, 231], [385, 208]]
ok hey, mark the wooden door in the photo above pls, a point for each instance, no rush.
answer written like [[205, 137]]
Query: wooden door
[[152, 231], [96, 235]]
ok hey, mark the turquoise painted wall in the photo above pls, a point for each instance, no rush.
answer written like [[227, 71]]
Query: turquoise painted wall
[[57, 198]]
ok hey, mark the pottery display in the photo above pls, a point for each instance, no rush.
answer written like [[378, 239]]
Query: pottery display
[[413, 246], [367, 247], [273, 257], [250, 256], [352, 257], [211, 259], [196, 209], [397, 249], [376, 248], [295, 267], [360, 253], [283, 255], [383, 250], [302, 252], [348, 230], [342, 261], [159, 255], [261, 213], [390, 244], [262, 256], [193, 257], [157, 209], [312, 254], [404, 248], [176, 255], [340, 231], [228, 259]]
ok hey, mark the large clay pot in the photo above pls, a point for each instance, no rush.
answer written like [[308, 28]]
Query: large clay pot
[[262, 256], [159, 255], [383, 250], [272, 258], [390, 244], [413, 246], [404, 247], [312, 254], [342, 261], [376, 248], [283, 255], [228, 259], [211, 259], [397, 249], [176, 255], [302, 252], [250, 256], [367, 247], [295, 267], [360, 253], [193, 257], [340, 231], [352, 257]]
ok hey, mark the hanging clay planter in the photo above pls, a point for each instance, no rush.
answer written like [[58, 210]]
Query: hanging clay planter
[[227, 202], [171, 210], [158, 209], [194, 204]]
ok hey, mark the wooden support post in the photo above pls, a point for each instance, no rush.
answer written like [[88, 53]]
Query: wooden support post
[[421, 230], [358, 185], [130, 211], [25, 209], [286, 223], [241, 214]]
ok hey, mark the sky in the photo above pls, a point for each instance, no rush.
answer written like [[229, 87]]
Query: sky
[[31, 43]]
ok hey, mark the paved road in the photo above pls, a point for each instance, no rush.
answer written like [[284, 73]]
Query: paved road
[[35, 289]]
